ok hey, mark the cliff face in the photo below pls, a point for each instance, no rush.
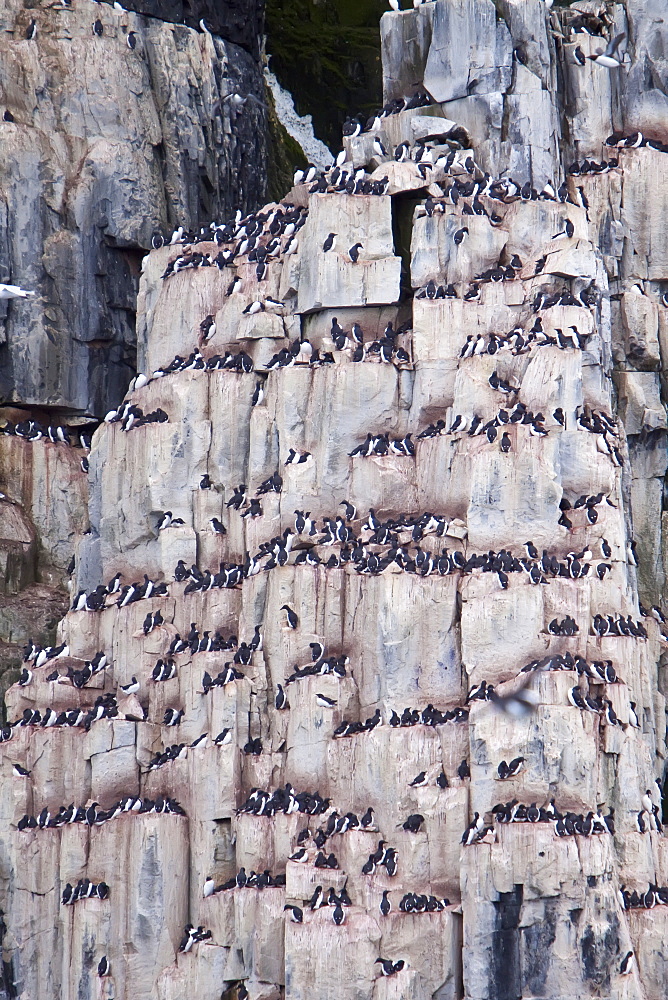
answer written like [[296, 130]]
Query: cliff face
[[237, 21], [467, 669], [108, 145], [101, 146]]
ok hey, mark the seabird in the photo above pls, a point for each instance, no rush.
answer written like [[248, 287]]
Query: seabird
[[20, 772], [378, 148], [324, 701], [281, 699], [98, 30], [209, 887], [14, 291], [132, 40], [104, 967], [459, 235], [292, 618], [353, 255], [329, 243], [463, 770], [387, 966], [296, 913], [132, 687], [626, 966], [258, 395], [420, 779], [317, 650], [607, 57]]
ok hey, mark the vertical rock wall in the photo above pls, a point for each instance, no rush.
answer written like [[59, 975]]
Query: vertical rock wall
[[101, 146], [463, 565], [106, 146]]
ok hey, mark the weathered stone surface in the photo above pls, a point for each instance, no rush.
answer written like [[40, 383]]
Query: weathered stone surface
[[47, 490], [86, 180], [529, 912]]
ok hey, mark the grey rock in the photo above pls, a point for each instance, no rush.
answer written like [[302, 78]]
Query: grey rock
[[87, 180]]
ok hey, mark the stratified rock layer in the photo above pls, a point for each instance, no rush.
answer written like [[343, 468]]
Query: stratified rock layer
[[540, 537]]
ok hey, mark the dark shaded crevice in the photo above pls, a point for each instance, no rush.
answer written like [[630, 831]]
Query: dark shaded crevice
[[505, 968], [343, 69], [238, 21], [403, 210]]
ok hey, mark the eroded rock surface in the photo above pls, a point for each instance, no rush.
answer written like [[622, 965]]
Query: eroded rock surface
[[473, 656], [107, 145]]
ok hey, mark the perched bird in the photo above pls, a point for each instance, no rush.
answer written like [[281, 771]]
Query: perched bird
[[626, 967], [296, 913], [281, 699], [388, 967], [292, 619]]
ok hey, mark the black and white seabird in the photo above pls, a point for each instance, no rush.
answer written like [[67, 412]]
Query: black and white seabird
[[132, 687], [387, 966], [606, 57], [281, 699], [626, 966], [354, 252], [132, 40], [292, 618]]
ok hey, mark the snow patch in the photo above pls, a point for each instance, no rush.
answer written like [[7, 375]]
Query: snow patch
[[299, 128]]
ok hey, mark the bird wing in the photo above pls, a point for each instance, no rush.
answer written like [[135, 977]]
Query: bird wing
[[613, 45]]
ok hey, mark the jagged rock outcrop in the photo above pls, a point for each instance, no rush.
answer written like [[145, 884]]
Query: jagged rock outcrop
[[388, 531]]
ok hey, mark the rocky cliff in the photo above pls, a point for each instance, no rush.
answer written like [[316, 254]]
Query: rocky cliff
[[361, 692], [102, 145]]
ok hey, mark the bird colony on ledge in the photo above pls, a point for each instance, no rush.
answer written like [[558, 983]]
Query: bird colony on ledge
[[368, 707]]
